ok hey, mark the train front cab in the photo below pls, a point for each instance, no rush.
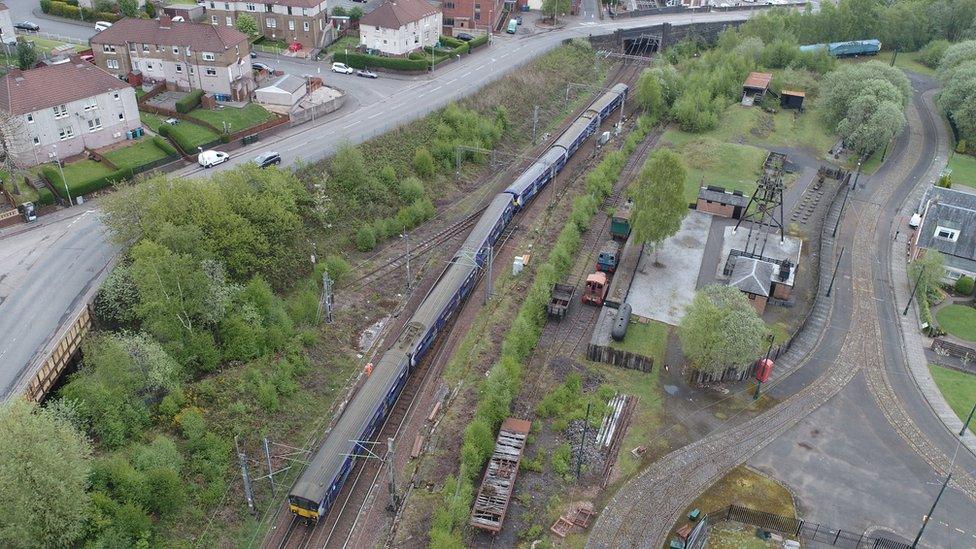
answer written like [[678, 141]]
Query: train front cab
[[308, 510]]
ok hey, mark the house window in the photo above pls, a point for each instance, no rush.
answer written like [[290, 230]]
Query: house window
[[189, 52], [148, 66], [66, 133], [60, 111], [213, 19], [227, 6], [944, 233], [270, 23], [94, 125], [145, 47], [108, 48], [115, 96], [477, 16], [449, 5], [207, 56], [212, 5], [269, 8], [91, 104], [121, 116], [112, 63], [305, 26], [291, 25], [179, 68], [132, 47], [230, 21], [289, 10], [30, 118], [210, 71], [37, 140], [251, 7]]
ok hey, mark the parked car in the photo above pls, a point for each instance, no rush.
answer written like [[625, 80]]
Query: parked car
[[512, 26], [365, 73], [27, 26], [464, 36], [261, 67], [178, 19], [101, 25], [254, 55], [342, 68], [267, 159], [210, 158], [519, 19]]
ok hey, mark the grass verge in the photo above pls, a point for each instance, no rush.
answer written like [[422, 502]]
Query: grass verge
[[963, 169], [958, 388], [236, 119]]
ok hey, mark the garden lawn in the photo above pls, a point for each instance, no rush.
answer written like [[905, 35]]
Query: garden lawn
[[193, 133], [236, 119], [906, 61], [644, 339], [44, 45], [83, 171], [958, 320], [963, 169], [958, 388], [342, 44], [139, 154], [711, 162]]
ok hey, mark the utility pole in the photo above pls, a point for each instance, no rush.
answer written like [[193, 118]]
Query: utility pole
[[325, 303], [970, 418], [921, 271], [535, 123], [267, 456], [833, 276], [857, 174], [248, 493], [841, 213], [406, 238], [579, 457], [925, 519], [391, 478]]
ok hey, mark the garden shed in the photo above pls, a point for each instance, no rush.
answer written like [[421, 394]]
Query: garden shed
[[286, 91], [790, 99]]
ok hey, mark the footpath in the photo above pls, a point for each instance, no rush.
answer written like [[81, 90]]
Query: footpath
[[913, 341]]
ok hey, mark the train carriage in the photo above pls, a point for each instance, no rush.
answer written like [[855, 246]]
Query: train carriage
[[320, 483]]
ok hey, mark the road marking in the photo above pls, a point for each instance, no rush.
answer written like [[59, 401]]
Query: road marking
[[479, 67], [347, 126], [374, 115], [451, 81], [435, 89]]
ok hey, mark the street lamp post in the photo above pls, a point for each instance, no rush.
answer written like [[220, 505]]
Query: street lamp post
[[925, 520], [64, 181], [921, 271], [970, 418]]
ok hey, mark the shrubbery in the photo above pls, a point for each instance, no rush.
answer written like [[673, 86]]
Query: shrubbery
[[71, 10], [189, 101], [931, 54], [964, 285], [363, 61], [80, 188]]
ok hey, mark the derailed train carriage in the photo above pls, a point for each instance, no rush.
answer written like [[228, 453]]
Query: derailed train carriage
[[319, 485]]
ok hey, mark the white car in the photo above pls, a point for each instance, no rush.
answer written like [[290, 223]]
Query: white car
[[342, 68], [102, 25], [211, 158]]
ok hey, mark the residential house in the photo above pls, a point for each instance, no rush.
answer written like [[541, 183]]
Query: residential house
[[184, 55], [398, 27], [948, 225], [303, 21], [474, 15], [47, 116], [7, 35]]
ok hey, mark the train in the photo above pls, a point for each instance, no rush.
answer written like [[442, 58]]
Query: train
[[852, 48], [319, 485]]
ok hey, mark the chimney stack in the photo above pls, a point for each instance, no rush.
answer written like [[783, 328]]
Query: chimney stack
[[165, 21]]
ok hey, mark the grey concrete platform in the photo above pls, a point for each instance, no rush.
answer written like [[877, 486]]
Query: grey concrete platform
[[662, 292]]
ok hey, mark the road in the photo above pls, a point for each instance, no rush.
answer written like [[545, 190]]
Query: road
[[851, 437], [74, 254]]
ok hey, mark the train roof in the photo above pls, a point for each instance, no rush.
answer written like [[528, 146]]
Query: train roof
[[608, 97], [486, 224], [326, 463]]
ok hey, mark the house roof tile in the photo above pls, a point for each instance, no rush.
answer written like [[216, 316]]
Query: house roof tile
[[198, 36], [394, 14], [953, 210], [752, 275], [22, 92]]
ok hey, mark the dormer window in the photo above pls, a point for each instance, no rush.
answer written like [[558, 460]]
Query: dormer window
[[946, 233], [207, 56]]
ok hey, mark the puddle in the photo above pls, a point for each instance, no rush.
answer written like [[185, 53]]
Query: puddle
[[369, 335], [671, 389]]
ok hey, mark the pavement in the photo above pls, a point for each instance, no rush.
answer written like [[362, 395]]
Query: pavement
[[73, 255]]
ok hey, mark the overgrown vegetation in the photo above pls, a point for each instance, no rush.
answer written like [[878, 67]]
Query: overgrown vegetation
[[721, 329], [504, 378]]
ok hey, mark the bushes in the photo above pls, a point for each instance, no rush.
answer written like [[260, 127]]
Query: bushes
[[964, 285], [71, 10], [423, 163], [79, 188], [931, 54], [362, 61], [165, 146], [189, 101], [478, 41], [365, 238]]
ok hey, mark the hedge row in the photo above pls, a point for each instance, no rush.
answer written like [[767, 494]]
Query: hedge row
[[189, 102], [407, 218], [44, 197], [478, 42], [83, 187], [165, 146], [188, 146], [496, 394], [363, 61], [71, 10]]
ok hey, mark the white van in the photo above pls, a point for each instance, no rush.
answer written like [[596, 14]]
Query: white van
[[210, 158], [101, 25]]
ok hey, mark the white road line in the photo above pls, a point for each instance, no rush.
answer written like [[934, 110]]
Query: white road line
[[451, 81], [347, 126], [479, 67], [465, 74], [437, 88], [374, 115]]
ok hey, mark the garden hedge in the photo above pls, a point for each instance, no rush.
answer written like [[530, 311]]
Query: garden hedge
[[165, 146], [71, 10], [83, 187], [168, 132], [478, 42], [44, 197], [189, 102], [362, 61]]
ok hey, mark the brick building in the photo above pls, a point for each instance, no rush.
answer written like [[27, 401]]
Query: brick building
[[303, 21], [474, 15], [183, 55]]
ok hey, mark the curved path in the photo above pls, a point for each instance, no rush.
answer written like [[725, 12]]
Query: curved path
[[852, 343]]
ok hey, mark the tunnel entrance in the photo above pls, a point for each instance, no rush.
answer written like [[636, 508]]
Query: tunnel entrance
[[643, 45]]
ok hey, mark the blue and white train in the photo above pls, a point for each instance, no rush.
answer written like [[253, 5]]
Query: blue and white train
[[319, 485]]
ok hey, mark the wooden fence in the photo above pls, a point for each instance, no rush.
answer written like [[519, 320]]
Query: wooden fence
[[617, 357]]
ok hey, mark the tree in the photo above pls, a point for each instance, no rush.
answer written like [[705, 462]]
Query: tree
[[957, 95], [552, 8], [150, 10], [659, 204], [721, 329], [44, 468], [865, 104], [26, 55], [423, 163], [129, 8], [247, 24], [649, 95], [929, 270], [355, 13]]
